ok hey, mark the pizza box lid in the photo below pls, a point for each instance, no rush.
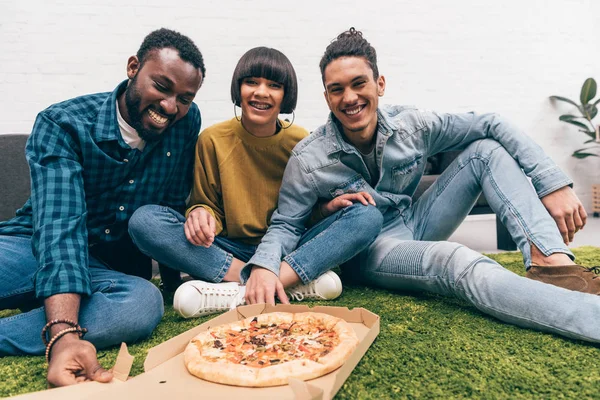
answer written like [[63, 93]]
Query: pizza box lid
[[166, 376]]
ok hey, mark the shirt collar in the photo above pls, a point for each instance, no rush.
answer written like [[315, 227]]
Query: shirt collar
[[335, 141], [107, 126]]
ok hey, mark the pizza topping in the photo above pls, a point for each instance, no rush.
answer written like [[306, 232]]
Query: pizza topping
[[259, 341], [262, 343]]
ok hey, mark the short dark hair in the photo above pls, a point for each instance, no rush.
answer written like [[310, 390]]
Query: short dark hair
[[271, 64], [350, 43], [166, 38]]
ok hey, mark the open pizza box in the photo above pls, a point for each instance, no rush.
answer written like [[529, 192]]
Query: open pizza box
[[166, 376]]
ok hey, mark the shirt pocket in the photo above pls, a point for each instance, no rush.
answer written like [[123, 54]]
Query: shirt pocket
[[354, 185], [404, 173]]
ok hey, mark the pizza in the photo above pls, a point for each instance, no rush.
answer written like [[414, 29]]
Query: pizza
[[268, 349]]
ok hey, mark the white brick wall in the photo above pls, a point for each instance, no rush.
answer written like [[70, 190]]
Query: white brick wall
[[503, 56]]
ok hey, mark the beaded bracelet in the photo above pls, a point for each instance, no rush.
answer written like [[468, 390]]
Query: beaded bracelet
[[58, 336], [72, 324]]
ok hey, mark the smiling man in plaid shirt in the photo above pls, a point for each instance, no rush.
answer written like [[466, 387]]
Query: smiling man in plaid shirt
[[94, 160]]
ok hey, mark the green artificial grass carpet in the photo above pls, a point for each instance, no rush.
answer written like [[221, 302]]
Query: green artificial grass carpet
[[429, 347]]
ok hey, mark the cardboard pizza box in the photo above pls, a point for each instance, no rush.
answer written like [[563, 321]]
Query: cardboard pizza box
[[121, 371], [166, 376]]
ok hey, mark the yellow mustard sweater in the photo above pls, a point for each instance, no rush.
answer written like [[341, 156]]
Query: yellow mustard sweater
[[237, 177]]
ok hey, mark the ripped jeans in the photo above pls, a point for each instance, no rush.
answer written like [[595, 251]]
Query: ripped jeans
[[411, 252]]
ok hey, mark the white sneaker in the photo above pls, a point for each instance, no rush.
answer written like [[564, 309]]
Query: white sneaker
[[198, 298], [326, 287]]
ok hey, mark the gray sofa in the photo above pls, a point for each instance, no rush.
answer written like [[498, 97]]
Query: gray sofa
[[14, 174], [15, 183]]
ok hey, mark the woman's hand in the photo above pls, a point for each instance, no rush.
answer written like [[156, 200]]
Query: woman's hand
[[262, 287], [200, 227]]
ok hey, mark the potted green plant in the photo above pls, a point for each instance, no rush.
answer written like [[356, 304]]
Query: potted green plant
[[587, 111]]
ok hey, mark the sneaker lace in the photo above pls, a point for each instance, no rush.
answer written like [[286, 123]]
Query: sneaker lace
[[220, 299], [302, 292]]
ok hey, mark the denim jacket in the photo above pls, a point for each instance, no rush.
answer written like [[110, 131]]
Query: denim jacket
[[324, 166]]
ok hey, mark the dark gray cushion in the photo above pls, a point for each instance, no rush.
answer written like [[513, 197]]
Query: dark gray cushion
[[14, 174], [424, 183]]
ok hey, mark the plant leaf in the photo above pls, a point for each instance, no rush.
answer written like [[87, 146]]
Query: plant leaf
[[576, 123], [589, 111], [588, 90], [568, 117], [589, 133], [596, 102], [564, 99], [589, 141], [583, 155]]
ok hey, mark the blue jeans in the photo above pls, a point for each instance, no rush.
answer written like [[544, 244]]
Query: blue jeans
[[411, 254], [158, 232], [122, 308]]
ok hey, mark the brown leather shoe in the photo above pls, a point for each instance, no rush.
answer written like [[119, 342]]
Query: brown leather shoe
[[572, 277]]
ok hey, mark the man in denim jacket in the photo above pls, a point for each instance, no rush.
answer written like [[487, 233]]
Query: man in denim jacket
[[382, 151]]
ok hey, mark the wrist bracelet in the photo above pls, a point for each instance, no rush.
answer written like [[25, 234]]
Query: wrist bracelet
[[46, 333]]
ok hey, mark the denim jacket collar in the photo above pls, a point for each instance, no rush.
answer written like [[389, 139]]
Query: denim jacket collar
[[335, 140]]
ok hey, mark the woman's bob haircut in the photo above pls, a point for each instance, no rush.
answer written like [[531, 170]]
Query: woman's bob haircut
[[264, 62]]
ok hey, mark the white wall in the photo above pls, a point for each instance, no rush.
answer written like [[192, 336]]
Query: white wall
[[503, 56]]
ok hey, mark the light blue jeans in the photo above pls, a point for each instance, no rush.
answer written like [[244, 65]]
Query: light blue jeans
[[411, 254], [122, 308], [158, 232]]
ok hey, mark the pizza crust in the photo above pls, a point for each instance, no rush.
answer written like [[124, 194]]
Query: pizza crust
[[277, 375], [310, 317]]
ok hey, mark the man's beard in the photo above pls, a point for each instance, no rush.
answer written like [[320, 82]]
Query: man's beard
[[133, 100]]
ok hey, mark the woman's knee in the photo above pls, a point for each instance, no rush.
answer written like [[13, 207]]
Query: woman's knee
[[367, 219]]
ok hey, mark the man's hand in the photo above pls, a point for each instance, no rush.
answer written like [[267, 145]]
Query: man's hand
[[262, 287], [568, 212], [345, 200], [200, 227], [73, 360]]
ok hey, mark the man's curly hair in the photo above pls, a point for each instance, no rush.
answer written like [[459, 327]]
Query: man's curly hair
[[166, 38], [350, 43]]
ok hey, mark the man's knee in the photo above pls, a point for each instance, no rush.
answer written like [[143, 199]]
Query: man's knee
[[17, 268], [147, 312], [143, 224], [428, 259], [141, 216], [484, 148], [455, 260]]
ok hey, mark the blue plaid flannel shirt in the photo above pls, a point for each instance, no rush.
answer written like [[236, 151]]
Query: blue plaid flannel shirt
[[86, 182]]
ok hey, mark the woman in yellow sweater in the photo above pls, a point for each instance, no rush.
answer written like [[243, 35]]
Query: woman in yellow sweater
[[238, 170]]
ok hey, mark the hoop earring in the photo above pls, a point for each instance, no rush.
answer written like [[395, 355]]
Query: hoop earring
[[291, 123], [239, 119]]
